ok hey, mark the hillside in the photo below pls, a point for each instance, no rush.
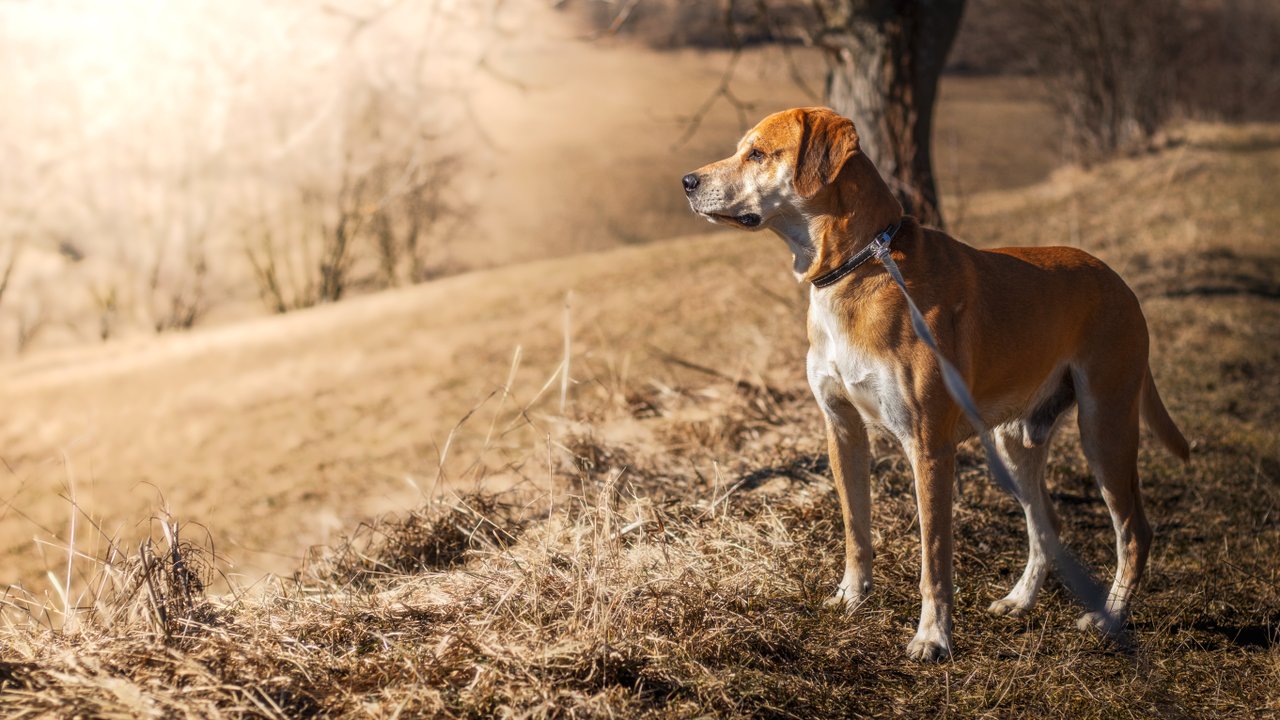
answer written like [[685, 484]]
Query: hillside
[[533, 119], [665, 540], [282, 429]]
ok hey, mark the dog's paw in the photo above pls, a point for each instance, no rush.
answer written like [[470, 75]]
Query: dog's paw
[[929, 649], [845, 600], [851, 593], [1008, 607], [1090, 621], [1109, 624]]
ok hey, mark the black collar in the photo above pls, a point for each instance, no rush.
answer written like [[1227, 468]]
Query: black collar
[[883, 238]]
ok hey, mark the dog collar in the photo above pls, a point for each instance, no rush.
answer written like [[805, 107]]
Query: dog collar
[[879, 242]]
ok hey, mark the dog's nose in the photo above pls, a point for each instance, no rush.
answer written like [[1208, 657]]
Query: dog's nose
[[690, 182]]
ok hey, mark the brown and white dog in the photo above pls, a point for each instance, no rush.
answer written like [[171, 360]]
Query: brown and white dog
[[1033, 330]]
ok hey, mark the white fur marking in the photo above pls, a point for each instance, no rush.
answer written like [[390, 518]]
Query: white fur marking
[[838, 372]]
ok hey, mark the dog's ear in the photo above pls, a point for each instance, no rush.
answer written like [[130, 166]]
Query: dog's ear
[[827, 141]]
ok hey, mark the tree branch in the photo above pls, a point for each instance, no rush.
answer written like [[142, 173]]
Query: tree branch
[[8, 271]]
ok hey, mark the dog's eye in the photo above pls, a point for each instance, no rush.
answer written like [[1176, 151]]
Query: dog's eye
[[756, 155]]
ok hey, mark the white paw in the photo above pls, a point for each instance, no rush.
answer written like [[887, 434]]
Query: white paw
[[933, 639], [851, 593], [1107, 623], [846, 599], [1010, 606], [929, 648]]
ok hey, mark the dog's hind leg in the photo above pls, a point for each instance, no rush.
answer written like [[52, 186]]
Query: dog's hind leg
[[1026, 464], [1109, 434]]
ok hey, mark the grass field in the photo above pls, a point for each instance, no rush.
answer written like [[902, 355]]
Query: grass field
[[655, 536]]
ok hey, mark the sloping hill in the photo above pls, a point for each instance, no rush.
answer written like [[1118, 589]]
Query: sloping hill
[[674, 534], [278, 430]]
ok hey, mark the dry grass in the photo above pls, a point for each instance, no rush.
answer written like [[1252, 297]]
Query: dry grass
[[666, 551], [651, 589]]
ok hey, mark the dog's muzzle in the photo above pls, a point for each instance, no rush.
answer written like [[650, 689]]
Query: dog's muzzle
[[692, 182]]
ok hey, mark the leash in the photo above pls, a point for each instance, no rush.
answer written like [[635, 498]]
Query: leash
[[1073, 573]]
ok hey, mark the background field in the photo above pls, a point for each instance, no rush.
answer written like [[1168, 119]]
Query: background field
[[279, 431], [584, 477]]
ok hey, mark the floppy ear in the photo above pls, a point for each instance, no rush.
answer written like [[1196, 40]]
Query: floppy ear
[[828, 140]]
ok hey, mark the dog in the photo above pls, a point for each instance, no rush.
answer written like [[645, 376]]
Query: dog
[[1033, 330]]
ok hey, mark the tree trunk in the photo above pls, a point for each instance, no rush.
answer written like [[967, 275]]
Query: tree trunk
[[885, 57]]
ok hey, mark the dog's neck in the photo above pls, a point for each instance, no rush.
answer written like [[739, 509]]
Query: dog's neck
[[839, 221], [796, 229]]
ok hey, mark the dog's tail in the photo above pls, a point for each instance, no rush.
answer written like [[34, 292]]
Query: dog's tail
[[1157, 418]]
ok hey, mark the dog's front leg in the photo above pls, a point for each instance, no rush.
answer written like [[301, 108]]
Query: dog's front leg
[[934, 470], [850, 453]]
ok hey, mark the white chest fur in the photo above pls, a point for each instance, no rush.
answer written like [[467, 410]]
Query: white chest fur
[[838, 372]]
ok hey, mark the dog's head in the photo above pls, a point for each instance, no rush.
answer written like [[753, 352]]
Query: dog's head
[[781, 165]]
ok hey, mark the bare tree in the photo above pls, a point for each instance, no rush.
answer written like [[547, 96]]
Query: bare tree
[[410, 204], [1229, 71], [7, 276], [310, 261], [106, 300], [1112, 66], [337, 238], [370, 232], [295, 256], [884, 59], [265, 260], [32, 319], [183, 304], [176, 282]]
